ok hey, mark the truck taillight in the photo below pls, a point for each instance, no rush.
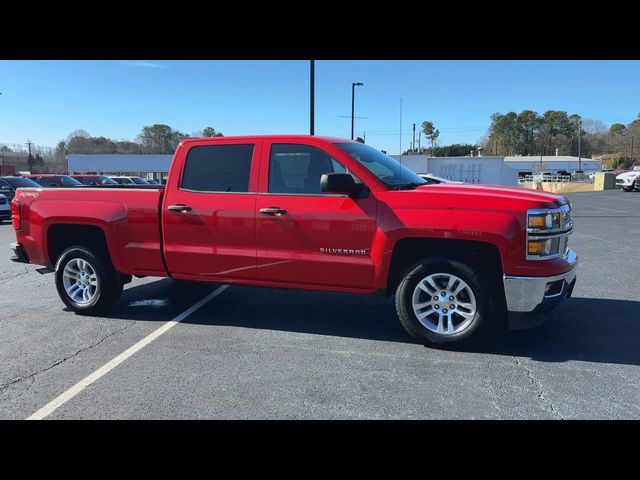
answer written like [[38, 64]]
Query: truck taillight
[[15, 215]]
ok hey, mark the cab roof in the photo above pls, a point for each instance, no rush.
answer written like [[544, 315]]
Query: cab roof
[[271, 137]]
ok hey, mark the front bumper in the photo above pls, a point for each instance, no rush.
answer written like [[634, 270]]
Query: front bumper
[[530, 299], [5, 214], [19, 255]]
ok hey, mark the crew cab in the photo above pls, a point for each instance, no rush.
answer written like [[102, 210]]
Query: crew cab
[[316, 213]]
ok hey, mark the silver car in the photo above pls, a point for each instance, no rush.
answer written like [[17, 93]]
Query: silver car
[[5, 209]]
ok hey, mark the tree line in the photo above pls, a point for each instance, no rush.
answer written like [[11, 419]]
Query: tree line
[[153, 139], [531, 133], [157, 138]]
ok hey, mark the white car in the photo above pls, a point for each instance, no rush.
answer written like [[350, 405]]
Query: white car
[[629, 181], [5, 209], [122, 180], [432, 179]]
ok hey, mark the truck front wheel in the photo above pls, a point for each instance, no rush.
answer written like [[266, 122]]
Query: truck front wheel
[[442, 301], [86, 283]]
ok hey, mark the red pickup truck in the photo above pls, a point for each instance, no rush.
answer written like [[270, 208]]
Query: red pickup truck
[[311, 213]]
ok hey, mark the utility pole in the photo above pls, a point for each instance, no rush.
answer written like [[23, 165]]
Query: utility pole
[[312, 81], [579, 143], [413, 142], [364, 137], [29, 143]]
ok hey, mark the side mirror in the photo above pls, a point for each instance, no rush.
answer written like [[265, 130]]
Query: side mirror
[[340, 183]]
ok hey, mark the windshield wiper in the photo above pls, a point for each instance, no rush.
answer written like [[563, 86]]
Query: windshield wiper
[[407, 186]]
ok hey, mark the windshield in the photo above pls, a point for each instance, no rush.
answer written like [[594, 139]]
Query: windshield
[[107, 181], [139, 181], [389, 171], [68, 181], [19, 182]]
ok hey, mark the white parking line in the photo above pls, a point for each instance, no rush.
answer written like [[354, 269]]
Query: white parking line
[[50, 407]]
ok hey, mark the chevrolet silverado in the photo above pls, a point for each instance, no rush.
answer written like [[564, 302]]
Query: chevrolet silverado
[[308, 212]]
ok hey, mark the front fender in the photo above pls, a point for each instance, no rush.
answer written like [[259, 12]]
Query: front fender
[[501, 229]]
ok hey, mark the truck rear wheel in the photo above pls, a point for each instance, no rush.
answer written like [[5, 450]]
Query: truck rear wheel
[[86, 283], [442, 301]]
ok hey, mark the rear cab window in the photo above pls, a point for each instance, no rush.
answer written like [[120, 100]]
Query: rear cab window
[[218, 168]]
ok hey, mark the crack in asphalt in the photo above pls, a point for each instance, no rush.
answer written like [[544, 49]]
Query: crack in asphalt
[[32, 376], [535, 382], [13, 276]]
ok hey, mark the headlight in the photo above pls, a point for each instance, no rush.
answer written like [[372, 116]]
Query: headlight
[[547, 232]]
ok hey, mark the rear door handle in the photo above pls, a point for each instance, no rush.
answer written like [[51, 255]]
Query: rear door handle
[[179, 208], [275, 211]]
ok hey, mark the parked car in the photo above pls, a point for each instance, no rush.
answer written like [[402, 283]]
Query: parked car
[[312, 213], [93, 180], [628, 181], [5, 209], [433, 180], [54, 180], [152, 181], [129, 180], [9, 185]]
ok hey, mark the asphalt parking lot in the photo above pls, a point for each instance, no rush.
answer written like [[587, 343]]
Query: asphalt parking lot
[[263, 353]]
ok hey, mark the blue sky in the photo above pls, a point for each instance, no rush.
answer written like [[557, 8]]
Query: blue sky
[[46, 100]]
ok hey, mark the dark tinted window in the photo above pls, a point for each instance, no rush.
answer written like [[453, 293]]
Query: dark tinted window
[[68, 181], [46, 182], [139, 181], [298, 168], [88, 181], [107, 181], [19, 182], [218, 168]]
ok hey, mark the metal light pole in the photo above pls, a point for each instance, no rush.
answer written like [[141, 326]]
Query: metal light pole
[[312, 81], [29, 158], [353, 103]]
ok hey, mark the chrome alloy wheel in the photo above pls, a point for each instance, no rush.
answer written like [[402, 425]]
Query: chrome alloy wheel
[[80, 281], [444, 304]]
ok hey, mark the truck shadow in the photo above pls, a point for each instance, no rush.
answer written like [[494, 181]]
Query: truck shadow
[[585, 329]]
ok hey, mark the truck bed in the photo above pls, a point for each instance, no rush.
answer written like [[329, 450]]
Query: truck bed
[[128, 217]]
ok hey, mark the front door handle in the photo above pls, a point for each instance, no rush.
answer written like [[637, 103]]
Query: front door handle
[[179, 208], [275, 211]]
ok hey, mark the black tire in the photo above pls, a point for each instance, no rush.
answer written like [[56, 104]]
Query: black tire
[[109, 284], [480, 324]]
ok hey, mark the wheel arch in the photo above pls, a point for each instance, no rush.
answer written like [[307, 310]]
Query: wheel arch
[[485, 257]]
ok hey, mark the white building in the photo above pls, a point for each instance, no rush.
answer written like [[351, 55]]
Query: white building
[[487, 170], [150, 166], [532, 164]]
